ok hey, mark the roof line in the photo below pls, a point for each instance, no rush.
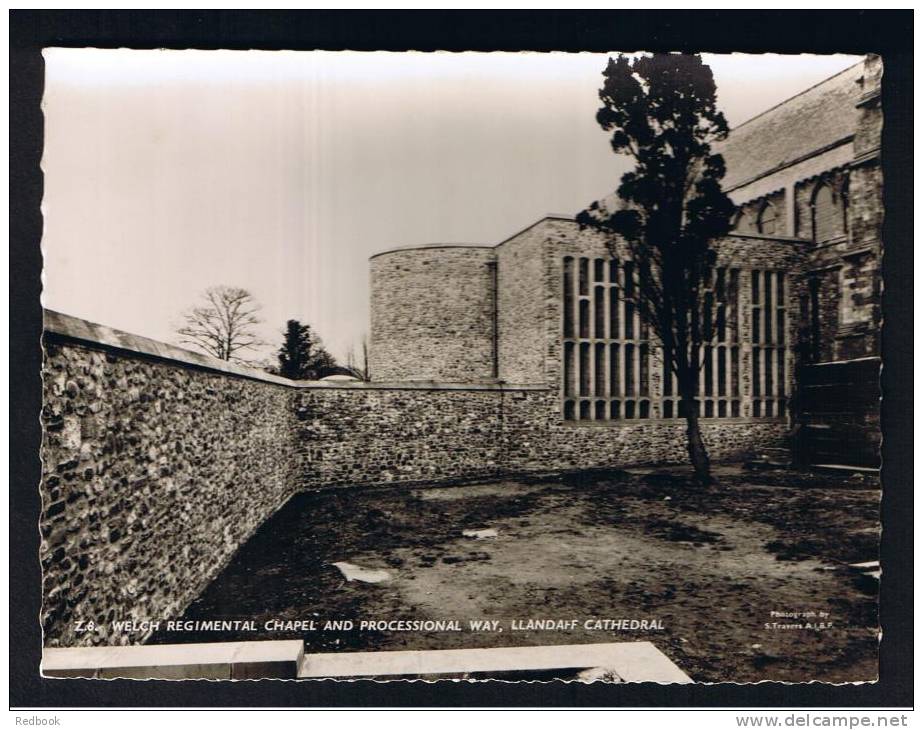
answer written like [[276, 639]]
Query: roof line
[[795, 96], [764, 237], [791, 163], [425, 246], [547, 217]]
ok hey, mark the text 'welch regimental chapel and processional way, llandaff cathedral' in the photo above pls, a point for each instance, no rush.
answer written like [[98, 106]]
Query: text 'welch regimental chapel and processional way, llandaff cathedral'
[[518, 358]]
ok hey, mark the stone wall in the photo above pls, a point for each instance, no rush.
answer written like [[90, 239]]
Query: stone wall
[[521, 303], [432, 314], [847, 267], [158, 463], [858, 334], [832, 182], [372, 435], [155, 471], [563, 238]]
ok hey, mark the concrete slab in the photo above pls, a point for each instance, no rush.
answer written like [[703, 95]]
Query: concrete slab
[[352, 572], [637, 661], [219, 660], [846, 467]]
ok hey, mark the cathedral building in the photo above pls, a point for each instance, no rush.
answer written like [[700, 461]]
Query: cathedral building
[[795, 298]]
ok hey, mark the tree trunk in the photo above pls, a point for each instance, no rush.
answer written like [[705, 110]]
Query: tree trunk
[[698, 455]]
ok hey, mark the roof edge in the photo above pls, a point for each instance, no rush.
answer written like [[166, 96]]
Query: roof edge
[[547, 217], [791, 163], [795, 96], [427, 246]]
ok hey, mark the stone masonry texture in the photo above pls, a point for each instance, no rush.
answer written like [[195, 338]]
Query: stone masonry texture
[[159, 463], [154, 473], [433, 314], [372, 436], [521, 307]]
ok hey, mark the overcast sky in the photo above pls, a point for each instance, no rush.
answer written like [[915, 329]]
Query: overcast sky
[[170, 171]]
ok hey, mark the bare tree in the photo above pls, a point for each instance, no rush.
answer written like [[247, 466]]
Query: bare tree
[[356, 366], [224, 325]]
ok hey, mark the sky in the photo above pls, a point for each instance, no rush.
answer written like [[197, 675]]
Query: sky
[[167, 172]]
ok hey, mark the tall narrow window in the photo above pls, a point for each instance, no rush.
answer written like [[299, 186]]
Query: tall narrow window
[[568, 296], [827, 213], [629, 370], [732, 297], [615, 371], [611, 370], [767, 221], [628, 290], [735, 371], [584, 368], [614, 313], [599, 312], [600, 369], [709, 372], [768, 351], [667, 375]]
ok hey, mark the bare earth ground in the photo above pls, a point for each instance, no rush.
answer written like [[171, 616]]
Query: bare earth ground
[[710, 563]]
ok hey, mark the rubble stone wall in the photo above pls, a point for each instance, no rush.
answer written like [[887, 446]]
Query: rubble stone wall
[[159, 463], [154, 472], [387, 435]]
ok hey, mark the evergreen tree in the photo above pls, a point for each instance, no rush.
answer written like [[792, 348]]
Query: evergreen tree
[[302, 355], [661, 112]]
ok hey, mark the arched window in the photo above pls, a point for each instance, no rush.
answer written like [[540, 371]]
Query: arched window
[[767, 220], [746, 219], [737, 220], [828, 218]]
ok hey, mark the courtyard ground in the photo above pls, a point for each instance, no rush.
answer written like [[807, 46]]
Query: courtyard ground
[[711, 565]]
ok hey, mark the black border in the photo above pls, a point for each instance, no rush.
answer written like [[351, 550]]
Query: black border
[[889, 33]]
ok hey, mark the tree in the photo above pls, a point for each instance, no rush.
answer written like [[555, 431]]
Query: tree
[[302, 356], [225, 325], [661, 112], [359, 367]]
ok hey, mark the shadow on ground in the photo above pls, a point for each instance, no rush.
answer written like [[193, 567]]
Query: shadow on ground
[[711, 564]]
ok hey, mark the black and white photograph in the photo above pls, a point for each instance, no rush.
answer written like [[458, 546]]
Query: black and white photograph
[[462, 366], [294, 428]]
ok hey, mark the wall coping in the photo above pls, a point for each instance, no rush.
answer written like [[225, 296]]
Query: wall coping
[[429, 247], [74, 328], [565, 219], [65, 326], [426, 246]]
